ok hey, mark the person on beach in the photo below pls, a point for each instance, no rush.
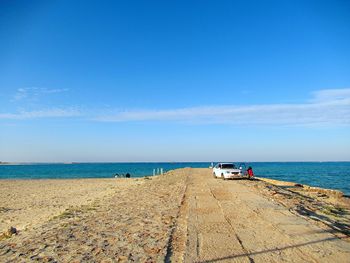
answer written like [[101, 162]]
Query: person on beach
[[250, 172], [127, 175]]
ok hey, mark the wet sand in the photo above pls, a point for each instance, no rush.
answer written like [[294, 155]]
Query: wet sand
[[184, 215]]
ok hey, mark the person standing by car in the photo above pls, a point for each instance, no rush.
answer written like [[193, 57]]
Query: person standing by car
[[250, 172]]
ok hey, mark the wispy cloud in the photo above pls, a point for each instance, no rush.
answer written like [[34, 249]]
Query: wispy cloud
[[33, 93], [327, 107], [46, 113], [330, 95]]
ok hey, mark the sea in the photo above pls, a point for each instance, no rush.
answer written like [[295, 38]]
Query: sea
[[332, 175]]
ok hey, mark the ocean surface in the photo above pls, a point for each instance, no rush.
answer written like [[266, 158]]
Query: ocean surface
[[333, 175]]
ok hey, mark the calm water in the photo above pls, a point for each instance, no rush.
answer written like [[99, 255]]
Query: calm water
[[335, 175]]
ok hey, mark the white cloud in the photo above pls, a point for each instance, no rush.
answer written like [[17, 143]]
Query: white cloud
[[33, 93], [47, 113], [327, 107], [331, 94], [20, 94]]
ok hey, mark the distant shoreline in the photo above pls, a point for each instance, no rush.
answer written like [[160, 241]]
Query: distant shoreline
[[48, 163], [333, 175]]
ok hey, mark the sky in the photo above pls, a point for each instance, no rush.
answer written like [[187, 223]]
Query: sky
[[149, 81]]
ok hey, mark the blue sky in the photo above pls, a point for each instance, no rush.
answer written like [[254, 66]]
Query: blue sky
[[174, 81]]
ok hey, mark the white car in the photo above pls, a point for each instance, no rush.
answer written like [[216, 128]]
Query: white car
[[226, 171]]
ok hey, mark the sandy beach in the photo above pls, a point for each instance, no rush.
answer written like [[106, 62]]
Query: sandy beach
[[29, 203], [184, 215]]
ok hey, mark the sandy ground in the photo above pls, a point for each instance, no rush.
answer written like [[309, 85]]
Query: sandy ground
[[29, 203], [183, 216], [131, 224]]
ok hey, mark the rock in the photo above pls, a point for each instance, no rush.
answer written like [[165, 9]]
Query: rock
[[9, 233], [122, 259], [167, 220], [12, 245], [12, 231], [108, 260]]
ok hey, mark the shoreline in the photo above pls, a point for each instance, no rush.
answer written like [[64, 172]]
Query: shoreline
[[331, 175], [92, 189], [329, 191]]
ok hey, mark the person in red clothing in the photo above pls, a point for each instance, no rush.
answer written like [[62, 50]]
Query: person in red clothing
[[250, 172]]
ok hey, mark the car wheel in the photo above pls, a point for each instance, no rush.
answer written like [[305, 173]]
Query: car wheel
[[223, 177], [214, 175]]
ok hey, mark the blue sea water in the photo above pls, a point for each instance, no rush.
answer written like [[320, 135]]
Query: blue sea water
[[333, 175]]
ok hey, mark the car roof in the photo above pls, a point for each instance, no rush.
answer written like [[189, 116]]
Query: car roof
[[225, 163]]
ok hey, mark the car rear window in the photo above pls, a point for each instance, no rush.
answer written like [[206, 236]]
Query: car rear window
[[227, 166]]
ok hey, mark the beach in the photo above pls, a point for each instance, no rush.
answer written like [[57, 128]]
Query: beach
[[29, 203], [184, 215]]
